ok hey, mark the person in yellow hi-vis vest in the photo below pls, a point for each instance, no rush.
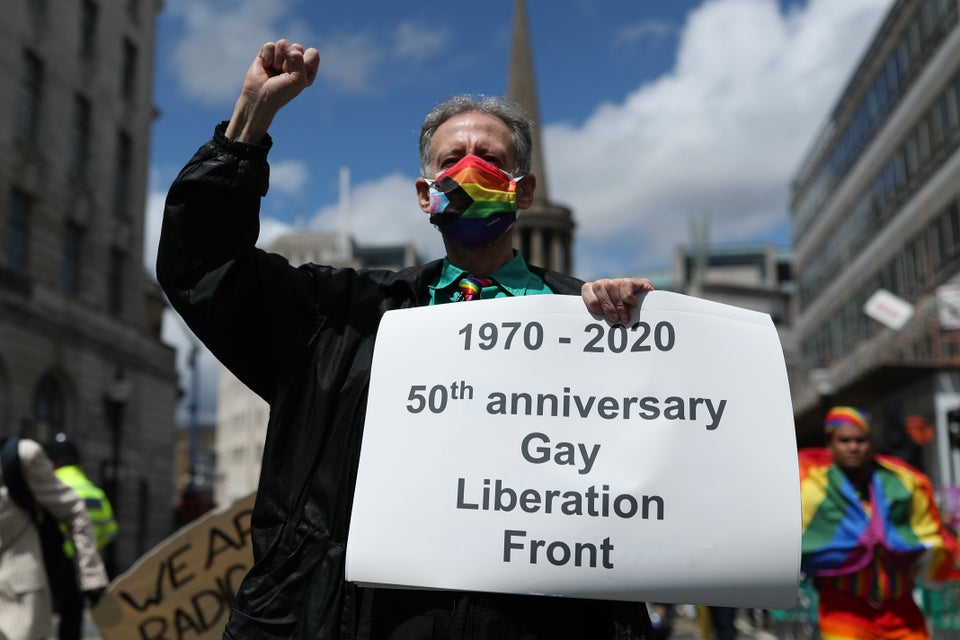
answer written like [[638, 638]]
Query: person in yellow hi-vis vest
[[68, 600]]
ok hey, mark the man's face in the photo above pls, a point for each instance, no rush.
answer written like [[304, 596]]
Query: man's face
[[474, 133], [850, 447], [479, 134]]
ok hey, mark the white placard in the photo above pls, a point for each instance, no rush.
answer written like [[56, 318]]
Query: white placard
[[888, 309], [522, 446]]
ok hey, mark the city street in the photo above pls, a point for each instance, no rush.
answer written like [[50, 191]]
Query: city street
[[685, 628]]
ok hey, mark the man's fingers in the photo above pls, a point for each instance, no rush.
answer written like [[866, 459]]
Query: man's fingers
[[311, 62], [284, 56], [630, 287], [266, 53], [614, 298], [280, 53], [597, 298], [628, 293]]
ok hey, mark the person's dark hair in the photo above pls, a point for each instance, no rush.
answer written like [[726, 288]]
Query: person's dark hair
[[62, 451], [510, 112]]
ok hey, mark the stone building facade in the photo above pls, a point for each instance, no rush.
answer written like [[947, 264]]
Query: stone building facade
[[80, 348]]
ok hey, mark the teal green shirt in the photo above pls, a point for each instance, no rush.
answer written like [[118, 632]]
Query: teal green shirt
[[512, 279]]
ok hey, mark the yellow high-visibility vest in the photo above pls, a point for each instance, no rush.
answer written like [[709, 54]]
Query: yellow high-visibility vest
[[98, 507]]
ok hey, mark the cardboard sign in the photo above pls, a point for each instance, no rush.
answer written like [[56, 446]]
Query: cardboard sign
[[522, 446], [185, 586]]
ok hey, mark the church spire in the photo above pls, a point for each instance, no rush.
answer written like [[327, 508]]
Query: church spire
[[544, 231], [522, 89]]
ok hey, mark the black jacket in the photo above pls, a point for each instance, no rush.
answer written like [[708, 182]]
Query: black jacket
[[302, 338]]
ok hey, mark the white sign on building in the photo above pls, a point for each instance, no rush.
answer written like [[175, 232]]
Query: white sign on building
[[888, 309], [948, 306]]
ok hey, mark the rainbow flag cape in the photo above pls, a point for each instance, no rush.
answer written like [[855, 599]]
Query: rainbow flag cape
[[839, 537]]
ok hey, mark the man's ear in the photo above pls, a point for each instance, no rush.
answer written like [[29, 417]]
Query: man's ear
[[525, 190], [423, 194]]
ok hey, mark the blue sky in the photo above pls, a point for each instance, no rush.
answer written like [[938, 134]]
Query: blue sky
[[651, 111]]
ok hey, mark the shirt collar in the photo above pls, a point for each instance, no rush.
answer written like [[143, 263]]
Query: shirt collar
[[514, 277]]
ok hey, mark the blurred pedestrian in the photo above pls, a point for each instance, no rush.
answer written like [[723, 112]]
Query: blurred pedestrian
[[68, 600], [28, 485], [869, 525], [721, 621], [704, 623]]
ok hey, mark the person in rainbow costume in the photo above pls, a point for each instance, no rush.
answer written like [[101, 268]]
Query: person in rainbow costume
[[870, 528]]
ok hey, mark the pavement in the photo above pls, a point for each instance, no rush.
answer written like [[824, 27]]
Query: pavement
[[685, 628], [89, 629]]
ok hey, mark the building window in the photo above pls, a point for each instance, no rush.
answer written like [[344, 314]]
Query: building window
[[18, 230], [40, 6], [128, 77], [28, 121], [48, 409], [115, 268], [81, 137], [121, 174], [70, 269], [88, 29], [953, 224]]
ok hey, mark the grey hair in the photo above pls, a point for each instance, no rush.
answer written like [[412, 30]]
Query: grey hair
[[510, 112]]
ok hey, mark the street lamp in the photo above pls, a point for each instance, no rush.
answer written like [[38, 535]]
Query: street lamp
[[194, 407]]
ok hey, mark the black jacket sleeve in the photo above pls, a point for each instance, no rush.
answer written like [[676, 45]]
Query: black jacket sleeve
[[253, 310]]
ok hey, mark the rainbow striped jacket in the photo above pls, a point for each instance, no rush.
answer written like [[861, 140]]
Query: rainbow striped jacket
[[840, 536]]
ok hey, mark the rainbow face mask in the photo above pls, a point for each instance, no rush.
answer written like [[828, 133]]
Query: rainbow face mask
[[473, 202]]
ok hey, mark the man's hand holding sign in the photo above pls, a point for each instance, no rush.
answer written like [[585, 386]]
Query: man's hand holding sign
[[528, 447]]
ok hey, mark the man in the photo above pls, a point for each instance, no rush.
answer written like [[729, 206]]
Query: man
[[303, 340], [869, 525], [25, 609], [68, 599]]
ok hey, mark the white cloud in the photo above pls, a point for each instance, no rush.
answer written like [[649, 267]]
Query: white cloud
[[288, 176], [720, 135], [348, 62], [419, 41], [646, 30], [383, 211], [221, 39], [355, 63]]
